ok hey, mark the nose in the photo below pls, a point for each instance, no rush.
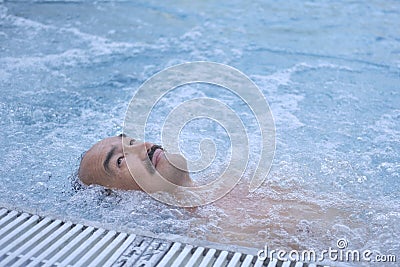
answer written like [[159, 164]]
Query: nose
[[148, 146]]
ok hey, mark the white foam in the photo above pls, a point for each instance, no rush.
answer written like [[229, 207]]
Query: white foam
[[388, 127]]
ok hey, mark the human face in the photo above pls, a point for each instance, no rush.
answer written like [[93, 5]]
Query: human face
[[106, 164]]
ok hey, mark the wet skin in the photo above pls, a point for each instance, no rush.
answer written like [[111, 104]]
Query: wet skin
[[106, 163]]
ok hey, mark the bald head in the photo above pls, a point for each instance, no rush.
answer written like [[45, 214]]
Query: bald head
[[106, 164]]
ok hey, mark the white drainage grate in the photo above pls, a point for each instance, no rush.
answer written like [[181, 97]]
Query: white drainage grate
[[30, 240]]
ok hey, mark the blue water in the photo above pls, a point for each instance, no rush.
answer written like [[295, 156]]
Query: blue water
[[330, 71]]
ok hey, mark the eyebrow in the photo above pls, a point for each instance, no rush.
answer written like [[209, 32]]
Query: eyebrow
[[109, 155]]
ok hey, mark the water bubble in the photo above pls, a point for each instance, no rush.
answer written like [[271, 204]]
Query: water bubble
[[38, 116]]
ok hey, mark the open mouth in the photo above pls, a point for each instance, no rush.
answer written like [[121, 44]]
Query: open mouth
[[155, 153]]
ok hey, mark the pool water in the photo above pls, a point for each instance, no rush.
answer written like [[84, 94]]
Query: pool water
[[330, 71]]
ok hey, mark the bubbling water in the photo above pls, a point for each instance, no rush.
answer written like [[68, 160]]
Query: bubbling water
[[330, 76]]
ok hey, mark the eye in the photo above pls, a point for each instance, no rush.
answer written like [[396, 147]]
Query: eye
[[119, 161], [132, 141]]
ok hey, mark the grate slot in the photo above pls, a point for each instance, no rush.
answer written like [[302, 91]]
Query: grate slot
[[196, 256], [8, 217], [235, 259], [286, 264], [11, 221], [136, 250], [247, 261], [9, 235], [31, 238], [260, 263], [69, 246], [209, 258], [45, 243], [109, 250], [154, 252], [2, 212], [114, 258], [182, 255], [57, 245], [79, 251], [170, 255], [28, 240], [22, 238], [273, 263], [96, 249], [221, 258]]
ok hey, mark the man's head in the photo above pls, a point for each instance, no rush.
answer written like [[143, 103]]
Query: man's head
[[106, 163]]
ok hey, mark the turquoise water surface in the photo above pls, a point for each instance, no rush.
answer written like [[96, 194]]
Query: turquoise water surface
[[330, 71]]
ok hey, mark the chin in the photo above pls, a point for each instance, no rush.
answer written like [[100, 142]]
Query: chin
[[174, 168], [184, 180]]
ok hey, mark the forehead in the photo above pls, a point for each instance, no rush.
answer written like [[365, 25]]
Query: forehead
[[91, 166], [110, 141], [100, 149], [106, 144]]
